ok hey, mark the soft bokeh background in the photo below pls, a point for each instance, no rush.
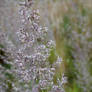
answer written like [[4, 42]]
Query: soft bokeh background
[[70, 21], [70, 25]]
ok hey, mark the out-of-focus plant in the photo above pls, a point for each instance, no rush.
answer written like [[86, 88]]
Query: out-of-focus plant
[[71, 22], [33, 60], [6, 73]]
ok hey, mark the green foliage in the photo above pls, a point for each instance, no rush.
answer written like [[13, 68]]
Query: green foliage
[[9, 89], [9, 75], [9, 78], [5, 65], [52, 58], [2, 61], [1, 46], [66, 22], [44, 90], [74, 88]]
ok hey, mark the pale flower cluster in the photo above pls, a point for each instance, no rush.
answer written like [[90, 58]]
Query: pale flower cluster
[[30, 59]]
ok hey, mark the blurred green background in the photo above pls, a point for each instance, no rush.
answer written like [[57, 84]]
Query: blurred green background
[[71, 24]]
